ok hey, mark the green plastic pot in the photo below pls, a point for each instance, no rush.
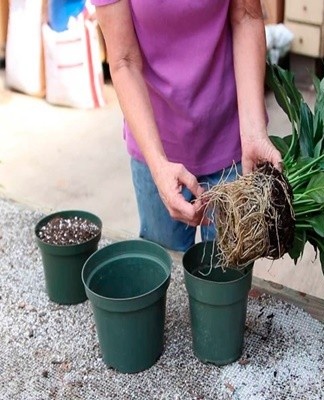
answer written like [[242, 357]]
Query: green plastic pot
[[218, 303], [63, 264], [126, 283]]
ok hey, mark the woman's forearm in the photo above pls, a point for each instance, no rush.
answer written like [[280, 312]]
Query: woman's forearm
[[125, 65], [249, 51], [134, 100]]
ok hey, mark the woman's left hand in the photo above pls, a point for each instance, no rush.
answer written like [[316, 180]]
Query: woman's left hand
[[259, 149]]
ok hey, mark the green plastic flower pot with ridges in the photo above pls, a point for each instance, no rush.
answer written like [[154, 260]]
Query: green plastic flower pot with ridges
[[126, 283], [63, 264], [218, 304]]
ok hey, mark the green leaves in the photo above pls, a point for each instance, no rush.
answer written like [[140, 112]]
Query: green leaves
[[281, 144], [306, 132], [303, 156], [317, 223], [315, 188], [318, 134], [298, 245], [282, 83], [319, 100], [318, 245], [307, 126]]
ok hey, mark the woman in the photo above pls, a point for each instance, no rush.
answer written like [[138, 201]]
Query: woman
[[189, 76]]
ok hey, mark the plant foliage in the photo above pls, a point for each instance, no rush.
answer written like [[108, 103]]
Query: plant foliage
[[303, 158]]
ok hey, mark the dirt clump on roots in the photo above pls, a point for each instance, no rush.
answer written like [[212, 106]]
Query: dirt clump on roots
[[253, 216]]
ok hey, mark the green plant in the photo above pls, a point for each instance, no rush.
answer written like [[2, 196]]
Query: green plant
[[303, 158], [268, 213]]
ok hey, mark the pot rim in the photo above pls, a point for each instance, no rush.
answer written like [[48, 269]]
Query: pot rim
[[65, 213], [247, 269], [157, 260], [244, 270]]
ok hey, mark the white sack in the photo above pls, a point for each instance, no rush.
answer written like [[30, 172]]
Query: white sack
[[24, 51], [74, 74], [279, 39]]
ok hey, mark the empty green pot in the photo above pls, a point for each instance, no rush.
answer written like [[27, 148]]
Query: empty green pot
[[63, 264], [218, 303], [126, 283]]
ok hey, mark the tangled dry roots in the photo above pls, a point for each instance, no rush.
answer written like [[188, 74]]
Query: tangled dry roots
[[253, 216]]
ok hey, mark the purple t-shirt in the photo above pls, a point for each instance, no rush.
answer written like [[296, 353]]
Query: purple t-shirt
[[188, 66]]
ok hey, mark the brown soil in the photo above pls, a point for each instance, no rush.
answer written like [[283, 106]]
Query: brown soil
[[279, 218], [68, 231]]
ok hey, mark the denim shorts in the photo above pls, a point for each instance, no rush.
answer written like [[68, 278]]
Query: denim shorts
[[156, 223]]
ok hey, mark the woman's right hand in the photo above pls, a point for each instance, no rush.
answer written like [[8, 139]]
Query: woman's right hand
[[170, 178]]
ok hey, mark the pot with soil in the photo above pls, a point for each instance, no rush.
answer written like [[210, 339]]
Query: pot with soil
[[126, 283], [66, 239], [218, 302]]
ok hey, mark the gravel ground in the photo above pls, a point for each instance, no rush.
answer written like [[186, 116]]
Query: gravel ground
[[51, 352]]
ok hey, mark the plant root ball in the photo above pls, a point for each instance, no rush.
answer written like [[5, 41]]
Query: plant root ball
[[253, 215]]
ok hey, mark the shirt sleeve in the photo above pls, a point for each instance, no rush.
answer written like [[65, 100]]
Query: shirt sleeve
[[103, 2]]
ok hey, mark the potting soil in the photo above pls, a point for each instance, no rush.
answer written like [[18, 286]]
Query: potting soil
[[50, 351], [68, 231]]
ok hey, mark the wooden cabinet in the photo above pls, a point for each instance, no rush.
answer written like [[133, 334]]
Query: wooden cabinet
[[4, 12], [305, 19], [305, 11]]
